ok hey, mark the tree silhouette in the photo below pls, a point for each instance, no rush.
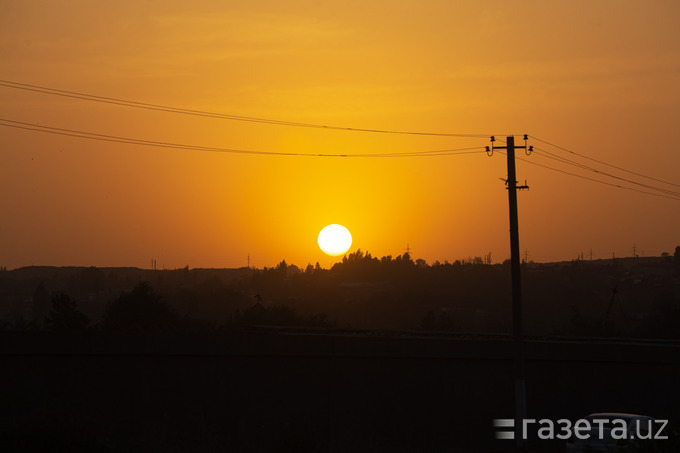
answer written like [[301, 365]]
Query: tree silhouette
[[65, 316], [140, 310]]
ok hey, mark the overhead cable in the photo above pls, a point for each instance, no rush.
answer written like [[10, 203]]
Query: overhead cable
[[549, 155], [596, 180], [133, 141], [604, 163], [225, 116]]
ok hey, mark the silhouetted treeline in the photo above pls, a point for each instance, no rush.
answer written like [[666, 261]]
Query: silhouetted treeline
[[619, 297]]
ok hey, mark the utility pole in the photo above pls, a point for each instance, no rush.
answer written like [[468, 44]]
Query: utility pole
[[520, 387]]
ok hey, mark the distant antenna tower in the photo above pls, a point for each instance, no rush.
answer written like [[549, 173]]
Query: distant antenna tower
[[408, 248]]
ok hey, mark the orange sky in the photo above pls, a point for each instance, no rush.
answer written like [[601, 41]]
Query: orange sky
[[600, 78]]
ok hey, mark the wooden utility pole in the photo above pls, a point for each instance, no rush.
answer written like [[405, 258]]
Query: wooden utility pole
[[520, 388]]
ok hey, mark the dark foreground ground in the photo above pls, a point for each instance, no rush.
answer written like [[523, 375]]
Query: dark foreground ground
[[280, 390]]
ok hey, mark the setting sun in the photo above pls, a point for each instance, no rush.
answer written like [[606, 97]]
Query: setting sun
[[335, 240]]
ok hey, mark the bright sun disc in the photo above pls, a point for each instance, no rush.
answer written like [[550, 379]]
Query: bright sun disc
[[335, 240]]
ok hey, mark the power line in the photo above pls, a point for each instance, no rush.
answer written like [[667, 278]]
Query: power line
[[133, 141], [183, 111], [668, 193], [549, 155], [596, 180], [604, 163], [471, 150]]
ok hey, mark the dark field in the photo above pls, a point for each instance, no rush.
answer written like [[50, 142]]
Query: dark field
[[287, 390]]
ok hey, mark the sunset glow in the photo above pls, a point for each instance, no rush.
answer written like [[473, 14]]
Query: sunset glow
[[599, 79]]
